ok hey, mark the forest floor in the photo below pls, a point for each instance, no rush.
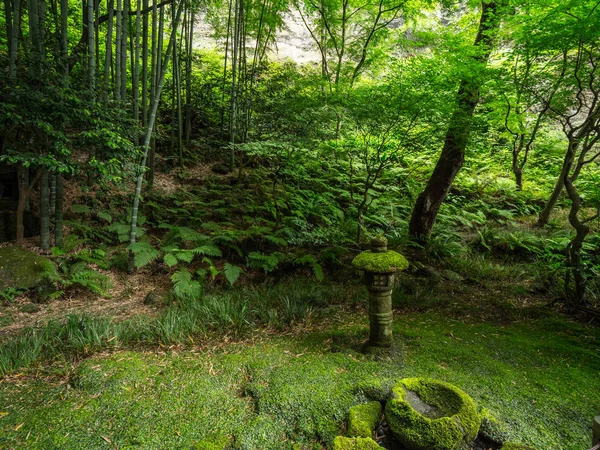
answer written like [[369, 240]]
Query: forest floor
[[532, 369], [275, 362]]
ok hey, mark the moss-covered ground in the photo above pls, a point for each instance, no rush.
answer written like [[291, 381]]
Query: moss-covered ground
[[538, 377]]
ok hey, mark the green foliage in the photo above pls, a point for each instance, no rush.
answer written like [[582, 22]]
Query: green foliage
[[184, 286], [144, 253], [232, 273], [258, 260]]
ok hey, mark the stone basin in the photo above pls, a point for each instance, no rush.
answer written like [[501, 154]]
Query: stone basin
[[426, 414]]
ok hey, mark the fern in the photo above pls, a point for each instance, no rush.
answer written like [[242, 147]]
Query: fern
[[82, 275], [232, 273], [313, 263], [258, 260], [144, 253], [184, 286], [208, 250]]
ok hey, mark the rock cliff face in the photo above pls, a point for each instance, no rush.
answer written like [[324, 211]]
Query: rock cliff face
[[293, 41]]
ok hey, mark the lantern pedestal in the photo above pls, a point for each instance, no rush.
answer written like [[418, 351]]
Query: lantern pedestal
[[379, 265]]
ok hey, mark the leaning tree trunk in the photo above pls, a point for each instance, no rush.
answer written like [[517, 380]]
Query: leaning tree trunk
[[551, 203], [457, 135], [151, 120]]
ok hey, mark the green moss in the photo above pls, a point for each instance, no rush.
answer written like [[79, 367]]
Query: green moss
[[210, 444], [459, 424], [513, 446], [362, 419], [22, 269], [344, 443], [386, 262], [492, 428], [537, 376]]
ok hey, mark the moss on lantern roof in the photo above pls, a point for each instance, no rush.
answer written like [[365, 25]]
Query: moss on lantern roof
[[386, 262]]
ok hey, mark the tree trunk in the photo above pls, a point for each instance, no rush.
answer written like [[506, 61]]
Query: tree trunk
[[14, 42], [124, 30], [25, 188], [58, 215], [145, 66], [118, 47], [9, 33], [64, 40], [44, 211], [234, 64], [188, 81], [108, 53], [52, 194], [551, 203], [136, 65], [91, 47], [518, 172], [457, 135], [151, 120]]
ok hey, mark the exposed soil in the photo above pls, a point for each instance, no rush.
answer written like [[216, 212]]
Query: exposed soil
[[125, 301]]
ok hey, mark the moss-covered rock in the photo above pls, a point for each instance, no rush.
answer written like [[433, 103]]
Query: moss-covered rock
[[427, 414], [357, 443], [362, 419], [22, 269], [492, 428], [513, 446], [386, 262]]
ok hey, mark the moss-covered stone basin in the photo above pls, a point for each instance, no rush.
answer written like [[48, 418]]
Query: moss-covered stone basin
[[427, 414]]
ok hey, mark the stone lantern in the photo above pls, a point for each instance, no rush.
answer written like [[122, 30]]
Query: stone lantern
[[379, 265]]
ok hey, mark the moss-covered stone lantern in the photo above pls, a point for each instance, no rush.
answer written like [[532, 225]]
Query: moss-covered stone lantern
[[379, 265]]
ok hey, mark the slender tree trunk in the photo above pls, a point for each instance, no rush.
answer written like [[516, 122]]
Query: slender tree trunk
[[44, 211], [91, 47], [34, 36], [64, 40], [9, 32], [188, 80], [151, 120], [136, 65], [153, 77], [124, 30], [52, 194], [108, 52], [234, 65], [457, 136], [118, 48], [225, 70], [14, 42], [145, 66], [58, 215]]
